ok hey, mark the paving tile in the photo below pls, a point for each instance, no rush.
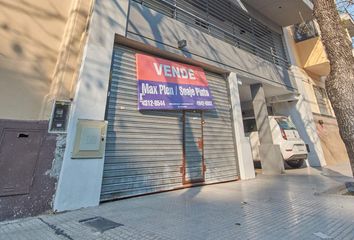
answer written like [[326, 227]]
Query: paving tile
[[270, 207]]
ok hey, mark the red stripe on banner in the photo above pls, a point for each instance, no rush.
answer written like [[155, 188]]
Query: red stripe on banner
[[162, 70]]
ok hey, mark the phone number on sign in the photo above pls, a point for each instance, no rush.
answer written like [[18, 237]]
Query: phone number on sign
[[204, 103], [153, 103]]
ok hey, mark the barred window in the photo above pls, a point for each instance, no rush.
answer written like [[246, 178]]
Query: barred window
[[322, 100], [225, 20]]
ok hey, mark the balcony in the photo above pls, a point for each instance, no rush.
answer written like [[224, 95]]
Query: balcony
[[283, 13], [311, 52], [313, 57], [304, 31]]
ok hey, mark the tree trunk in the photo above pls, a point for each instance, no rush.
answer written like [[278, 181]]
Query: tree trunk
[[340, 82]]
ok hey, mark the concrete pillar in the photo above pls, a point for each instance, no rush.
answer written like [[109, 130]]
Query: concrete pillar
[[244, 152], [302, 116], [270, 154], [80, 180]]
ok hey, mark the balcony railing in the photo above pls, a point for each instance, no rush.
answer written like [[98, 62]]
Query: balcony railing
[[225, 21], [304, 31]]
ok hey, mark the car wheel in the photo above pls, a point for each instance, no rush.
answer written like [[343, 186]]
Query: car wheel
[[295, 163]]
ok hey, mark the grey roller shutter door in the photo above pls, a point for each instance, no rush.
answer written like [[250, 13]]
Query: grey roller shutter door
[[143, 149], [219, 143]]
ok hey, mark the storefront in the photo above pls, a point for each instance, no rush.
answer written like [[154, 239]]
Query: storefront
[[150, 150], [177, 138], [116, 132]]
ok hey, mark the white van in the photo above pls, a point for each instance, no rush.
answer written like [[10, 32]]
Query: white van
[[284, 133]]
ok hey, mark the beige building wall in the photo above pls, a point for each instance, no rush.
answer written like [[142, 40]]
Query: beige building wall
[[309, 53], [328, 132], [311, 97], [332, 145], [39, 51], [312, 81]]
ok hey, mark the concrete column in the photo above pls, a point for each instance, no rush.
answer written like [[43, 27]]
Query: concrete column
[[80, 180], [270, 154], [244, 152], [302, 116]]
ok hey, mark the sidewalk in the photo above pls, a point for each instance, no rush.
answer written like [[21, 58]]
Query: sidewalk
[[288, 207]]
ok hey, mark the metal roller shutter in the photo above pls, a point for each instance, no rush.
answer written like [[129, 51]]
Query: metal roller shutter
[[143, 149], [219, 148], [147, 150]]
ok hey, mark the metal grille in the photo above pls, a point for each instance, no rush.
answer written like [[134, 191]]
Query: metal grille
[[322, 100], [219, 146], [226, 21], [304, 31], [144, 149]]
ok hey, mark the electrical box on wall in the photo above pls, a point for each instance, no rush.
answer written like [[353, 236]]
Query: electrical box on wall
[[60, 116], [90, 139]]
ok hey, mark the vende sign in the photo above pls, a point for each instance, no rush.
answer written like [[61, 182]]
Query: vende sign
[[163, 84]]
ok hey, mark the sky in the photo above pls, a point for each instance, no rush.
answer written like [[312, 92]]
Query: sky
[[350, 10]]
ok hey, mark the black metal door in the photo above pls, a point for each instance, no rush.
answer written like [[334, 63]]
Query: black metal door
[[18, 156]]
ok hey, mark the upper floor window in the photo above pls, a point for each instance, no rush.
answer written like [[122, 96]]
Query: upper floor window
[[304, 31], [322, 100]]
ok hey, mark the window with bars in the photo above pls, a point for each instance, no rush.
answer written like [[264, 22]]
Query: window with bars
[[322, 100], [225, 20]]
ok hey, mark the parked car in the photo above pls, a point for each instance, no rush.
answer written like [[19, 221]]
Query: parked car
[[284, 133]]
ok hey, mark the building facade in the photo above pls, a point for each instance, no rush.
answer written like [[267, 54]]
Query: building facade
[[40, 53], [310, 59], [107, 140]]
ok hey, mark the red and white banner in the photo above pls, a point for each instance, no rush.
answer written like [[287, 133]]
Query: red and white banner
[[164, 84]]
